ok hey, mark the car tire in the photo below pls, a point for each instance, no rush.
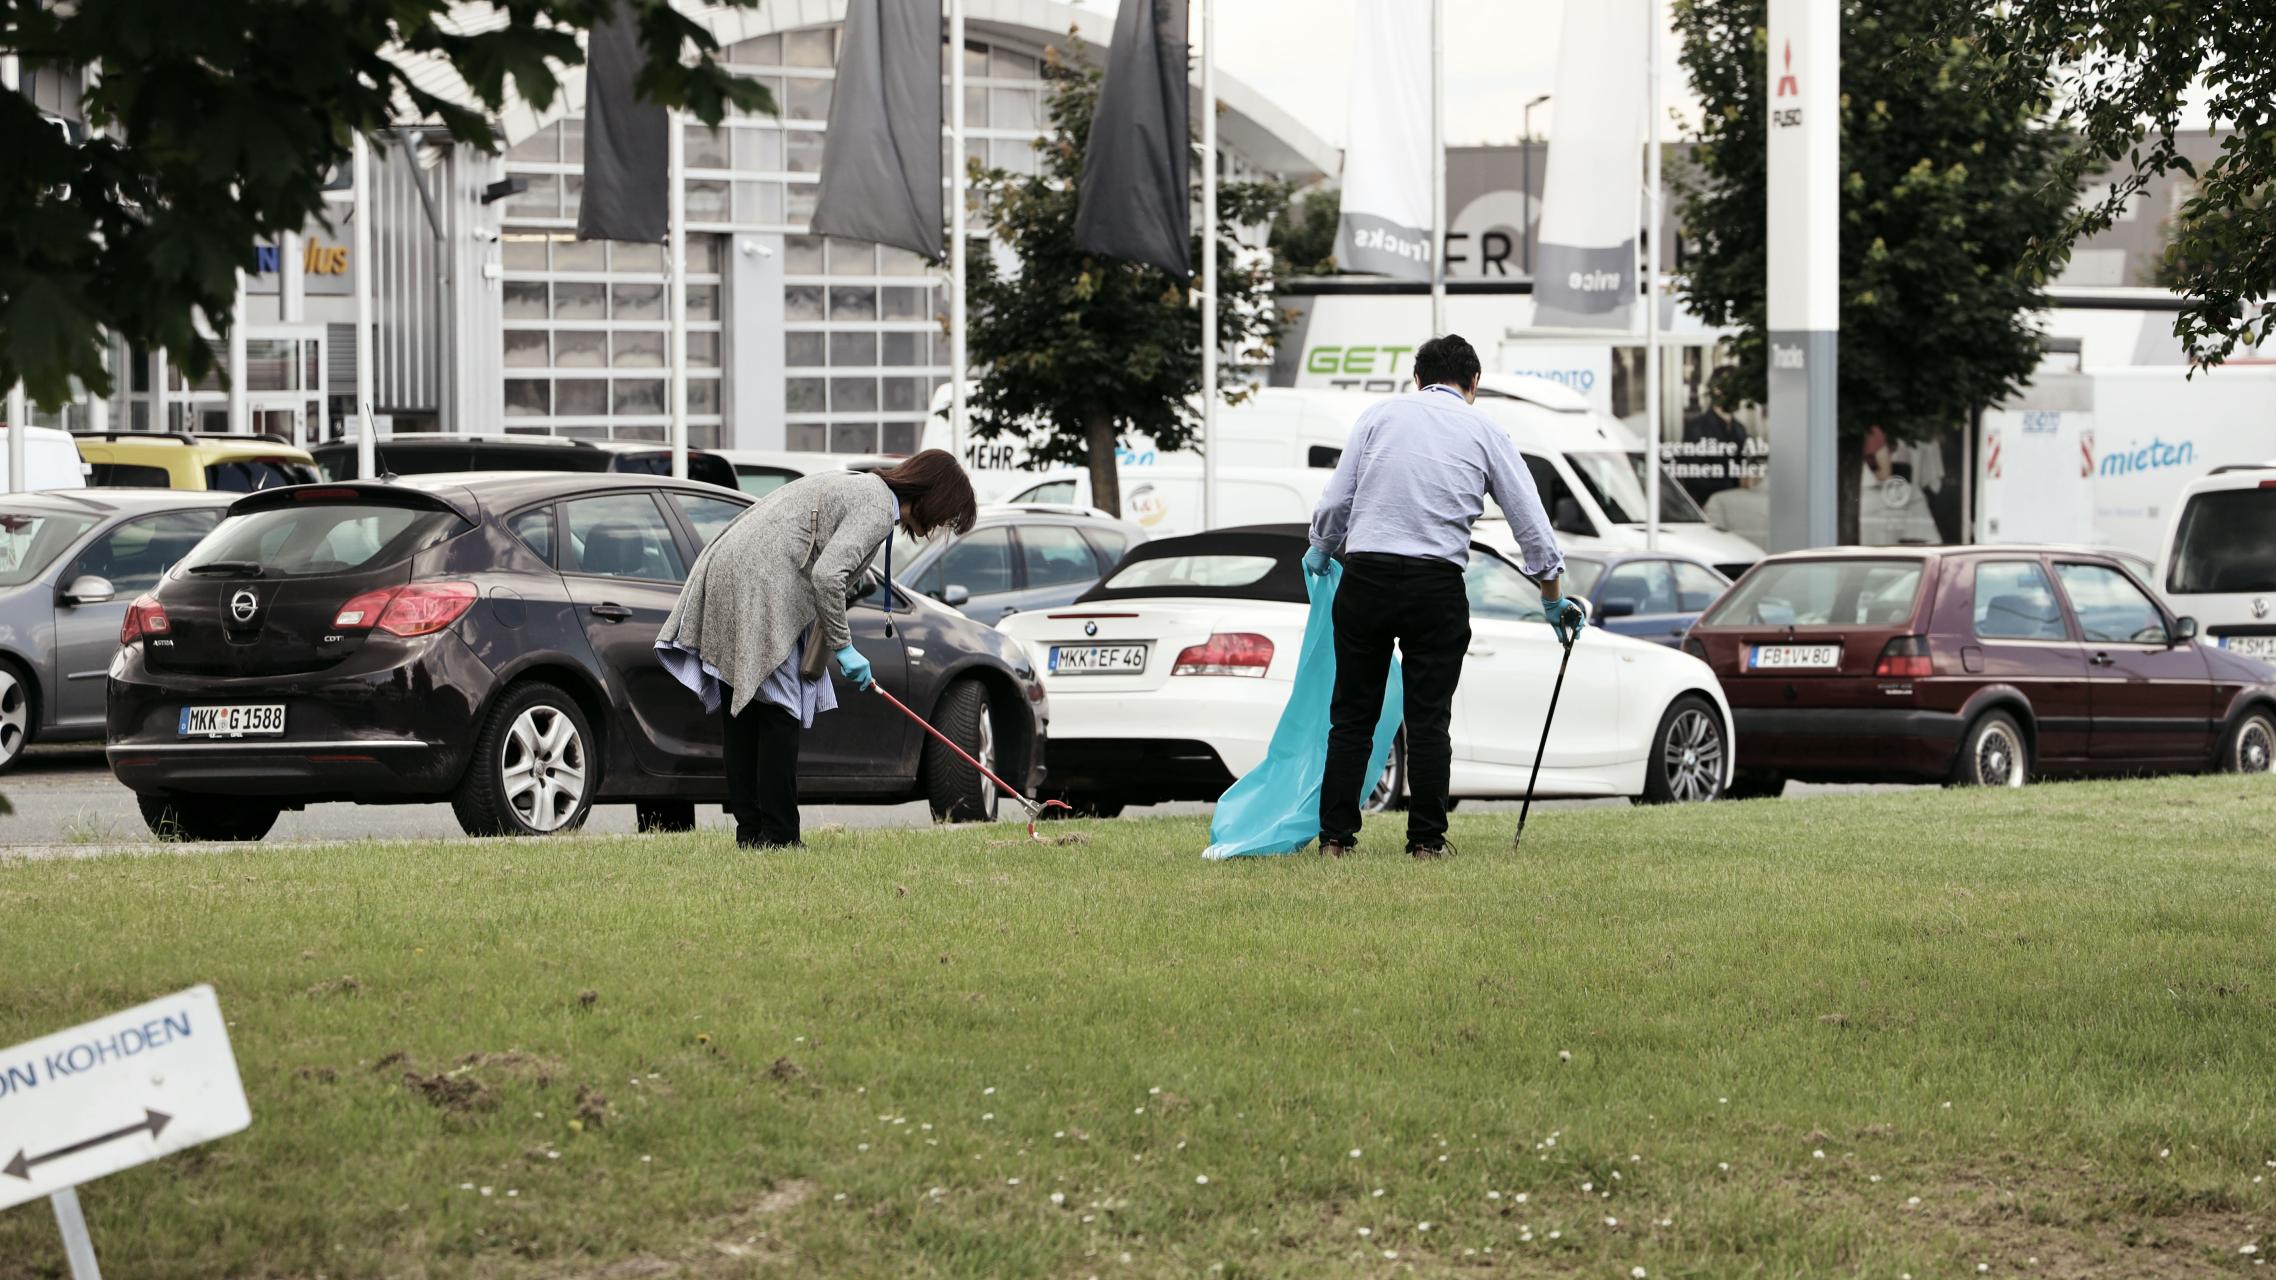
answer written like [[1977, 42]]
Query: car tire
[[1083, 804], [664, 815], [16, 713], [1389, 794], [2251, 746], [1993, 753], [1685, 762], [954, 789], [203, 818], [1755, 784], [535, 768]]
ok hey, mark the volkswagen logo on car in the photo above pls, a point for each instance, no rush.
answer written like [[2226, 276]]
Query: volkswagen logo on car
[[244, 604], [2260, 606]]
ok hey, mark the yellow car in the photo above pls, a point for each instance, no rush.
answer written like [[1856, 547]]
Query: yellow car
[[179, 460]]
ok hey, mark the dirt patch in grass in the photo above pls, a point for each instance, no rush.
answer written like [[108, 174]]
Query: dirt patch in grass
[[537, 1068], [452, 1092]]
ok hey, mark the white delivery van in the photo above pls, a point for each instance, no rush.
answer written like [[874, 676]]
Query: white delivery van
[[51, 460], [1165, 501], [2219, 561], [759, 472]]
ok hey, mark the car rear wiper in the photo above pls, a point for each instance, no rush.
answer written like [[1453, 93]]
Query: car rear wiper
[[226, 569]]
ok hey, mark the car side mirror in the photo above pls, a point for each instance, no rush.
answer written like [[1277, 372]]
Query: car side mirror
[[1617, 607], [89, 588], [955, 596], [2184, 630], [861, 588]]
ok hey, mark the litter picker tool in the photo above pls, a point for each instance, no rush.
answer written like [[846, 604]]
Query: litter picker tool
[[1035, 808], [1539, 751]]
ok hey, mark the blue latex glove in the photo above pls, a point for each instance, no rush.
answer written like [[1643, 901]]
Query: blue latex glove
[[1316, 562], [1566, 617], [854, 667]]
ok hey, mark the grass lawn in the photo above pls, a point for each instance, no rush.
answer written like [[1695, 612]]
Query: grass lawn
[[1919, 1033]]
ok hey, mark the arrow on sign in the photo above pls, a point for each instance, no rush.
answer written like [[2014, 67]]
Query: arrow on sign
[[152, 1123]]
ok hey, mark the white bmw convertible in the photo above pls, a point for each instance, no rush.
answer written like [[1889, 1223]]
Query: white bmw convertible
[[1166, 680]]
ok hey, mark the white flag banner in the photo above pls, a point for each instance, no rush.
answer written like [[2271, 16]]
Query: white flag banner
[[1385, 226], [1591, 196]]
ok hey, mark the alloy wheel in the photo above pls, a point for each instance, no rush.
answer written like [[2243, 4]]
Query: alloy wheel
[[1693, 757], [1999, 758], [542, 768], [15, 716], [990, 797], [2255, 751]]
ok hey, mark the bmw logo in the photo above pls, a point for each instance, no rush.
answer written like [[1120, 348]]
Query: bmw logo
[[1091, 628], [2260, 606], [244, 604]]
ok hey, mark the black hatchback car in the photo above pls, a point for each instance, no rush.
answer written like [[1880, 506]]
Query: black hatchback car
[[488, 640], [422, 455]]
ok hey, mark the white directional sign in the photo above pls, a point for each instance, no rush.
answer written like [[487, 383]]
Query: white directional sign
[[114, 1093]]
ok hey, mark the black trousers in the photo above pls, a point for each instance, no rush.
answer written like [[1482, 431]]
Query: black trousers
[[1420, 605], [761, 759]]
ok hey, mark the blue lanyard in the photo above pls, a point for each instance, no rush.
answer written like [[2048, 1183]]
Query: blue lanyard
[[1440, 386]]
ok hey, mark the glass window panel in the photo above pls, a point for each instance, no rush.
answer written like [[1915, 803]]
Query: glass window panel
[[708, 515], [902, 349], [975, 108], [636, 257], [804, 395], [524, 300], [808, 48], [704, 435], [527, 349], [853, 437], [802, 152], [581, 397], [806, 99], [703, 351], [635, 350], [901, 437], [1004, 64], [542, 147], [1055, 555], [542, 200], [703, 254], [703, 396], [2110, 608], [523, 253], [901, 303], [798, 203], [976, 151], [853, 395], [903, 395], [757, 150], [527, 397], [802, 350], [573, 140], [802, 302], [572, 194], [580, 349], [802, 255], [1012, 109], [535, 528], [638, 301], [980, 563], [853, 302], [621, 535], [637, 396], [1012, 155], [708, 201], [580, 302], [639, 431], [1644, 586], [1696, 587], [853, 349], [901, 262], [2015, 601], [706, 147], [807, 437], [852, 258], [759, 203], [975, 58], [580, 255], [590, 431], [703, 302], [764, 51]]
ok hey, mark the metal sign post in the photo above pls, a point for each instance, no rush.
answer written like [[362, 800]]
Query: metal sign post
[[1208, 264], [78, 1246], [1804, 287]]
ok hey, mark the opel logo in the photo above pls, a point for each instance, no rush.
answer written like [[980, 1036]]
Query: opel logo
[[244, 604], [2260, 606], [1091, 628]]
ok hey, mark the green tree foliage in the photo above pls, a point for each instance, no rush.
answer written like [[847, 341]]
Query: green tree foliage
[[1949, 175], [2126, 69], [218, 122], [1077, 350], [1304, 235]]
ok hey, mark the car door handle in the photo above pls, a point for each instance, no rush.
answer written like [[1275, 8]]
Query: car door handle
[[611, 612], [2103, 660]]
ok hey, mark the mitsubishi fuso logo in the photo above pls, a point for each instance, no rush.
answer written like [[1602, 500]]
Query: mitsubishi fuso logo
[[244, 604]]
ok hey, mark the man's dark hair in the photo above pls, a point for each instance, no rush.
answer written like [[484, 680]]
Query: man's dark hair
[[934, 493], [1450, 360]]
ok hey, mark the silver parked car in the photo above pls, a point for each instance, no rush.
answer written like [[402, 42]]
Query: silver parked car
[[70, 564], [1020, 556]]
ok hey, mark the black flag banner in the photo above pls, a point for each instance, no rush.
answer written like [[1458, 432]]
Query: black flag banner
[[1135, 201], [881, 178], [627, 176]]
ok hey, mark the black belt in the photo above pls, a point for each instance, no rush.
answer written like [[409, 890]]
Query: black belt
[[1410, 564]]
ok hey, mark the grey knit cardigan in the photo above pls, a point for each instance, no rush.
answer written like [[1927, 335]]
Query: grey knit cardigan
[[780, 567]]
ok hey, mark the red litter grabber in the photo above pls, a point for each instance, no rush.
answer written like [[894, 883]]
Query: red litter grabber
[[1034, 808]]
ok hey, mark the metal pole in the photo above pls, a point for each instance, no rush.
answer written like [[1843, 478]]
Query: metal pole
[[1437, 167], [1525, 233], [240, 419], [78, 1246], [16, 435], [1208, 264], [1652, 292], [956, 248], [367, 449], [676, 165]]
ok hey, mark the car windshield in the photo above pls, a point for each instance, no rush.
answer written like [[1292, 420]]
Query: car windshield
[[1203, 570], [1581, 574], [1616, 481], [1819, 593], [306, 541], [31, 540], [2226, 542]]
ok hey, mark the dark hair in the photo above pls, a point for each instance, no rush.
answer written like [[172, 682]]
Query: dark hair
[[1450, 360], [934, 493]]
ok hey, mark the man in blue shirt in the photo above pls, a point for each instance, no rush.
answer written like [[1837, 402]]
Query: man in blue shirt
[[1413, 479]]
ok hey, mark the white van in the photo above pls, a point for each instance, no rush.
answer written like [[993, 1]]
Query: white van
[[1165, 501], [2219, 559], [51, 460]]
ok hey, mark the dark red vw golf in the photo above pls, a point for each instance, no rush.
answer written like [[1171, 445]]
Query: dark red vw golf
[[1972, 665]]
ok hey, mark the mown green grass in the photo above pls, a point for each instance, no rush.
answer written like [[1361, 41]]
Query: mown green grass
[[2046, 1014]]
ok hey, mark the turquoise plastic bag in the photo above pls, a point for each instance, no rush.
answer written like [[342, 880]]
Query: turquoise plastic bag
[[1275, 807]]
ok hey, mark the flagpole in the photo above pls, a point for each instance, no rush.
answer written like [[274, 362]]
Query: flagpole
[[957, 266], [1208, 264], [1652, 289], [10, 72], [675, 164], [1438, 167], [367, 449]]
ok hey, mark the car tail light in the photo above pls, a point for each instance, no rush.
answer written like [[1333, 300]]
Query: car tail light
[[420, 609], [1905, 658], [1234, 653], [145, 617], [362, 612], [1692, 646]]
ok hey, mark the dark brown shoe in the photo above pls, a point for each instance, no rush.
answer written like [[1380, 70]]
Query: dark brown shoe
[[1429, 852], [1334, 848]]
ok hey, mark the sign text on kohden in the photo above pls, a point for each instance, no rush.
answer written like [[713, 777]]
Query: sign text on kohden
[[116, 1092]]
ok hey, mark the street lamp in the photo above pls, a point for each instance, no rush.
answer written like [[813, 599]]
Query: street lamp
[[1526, 232]]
